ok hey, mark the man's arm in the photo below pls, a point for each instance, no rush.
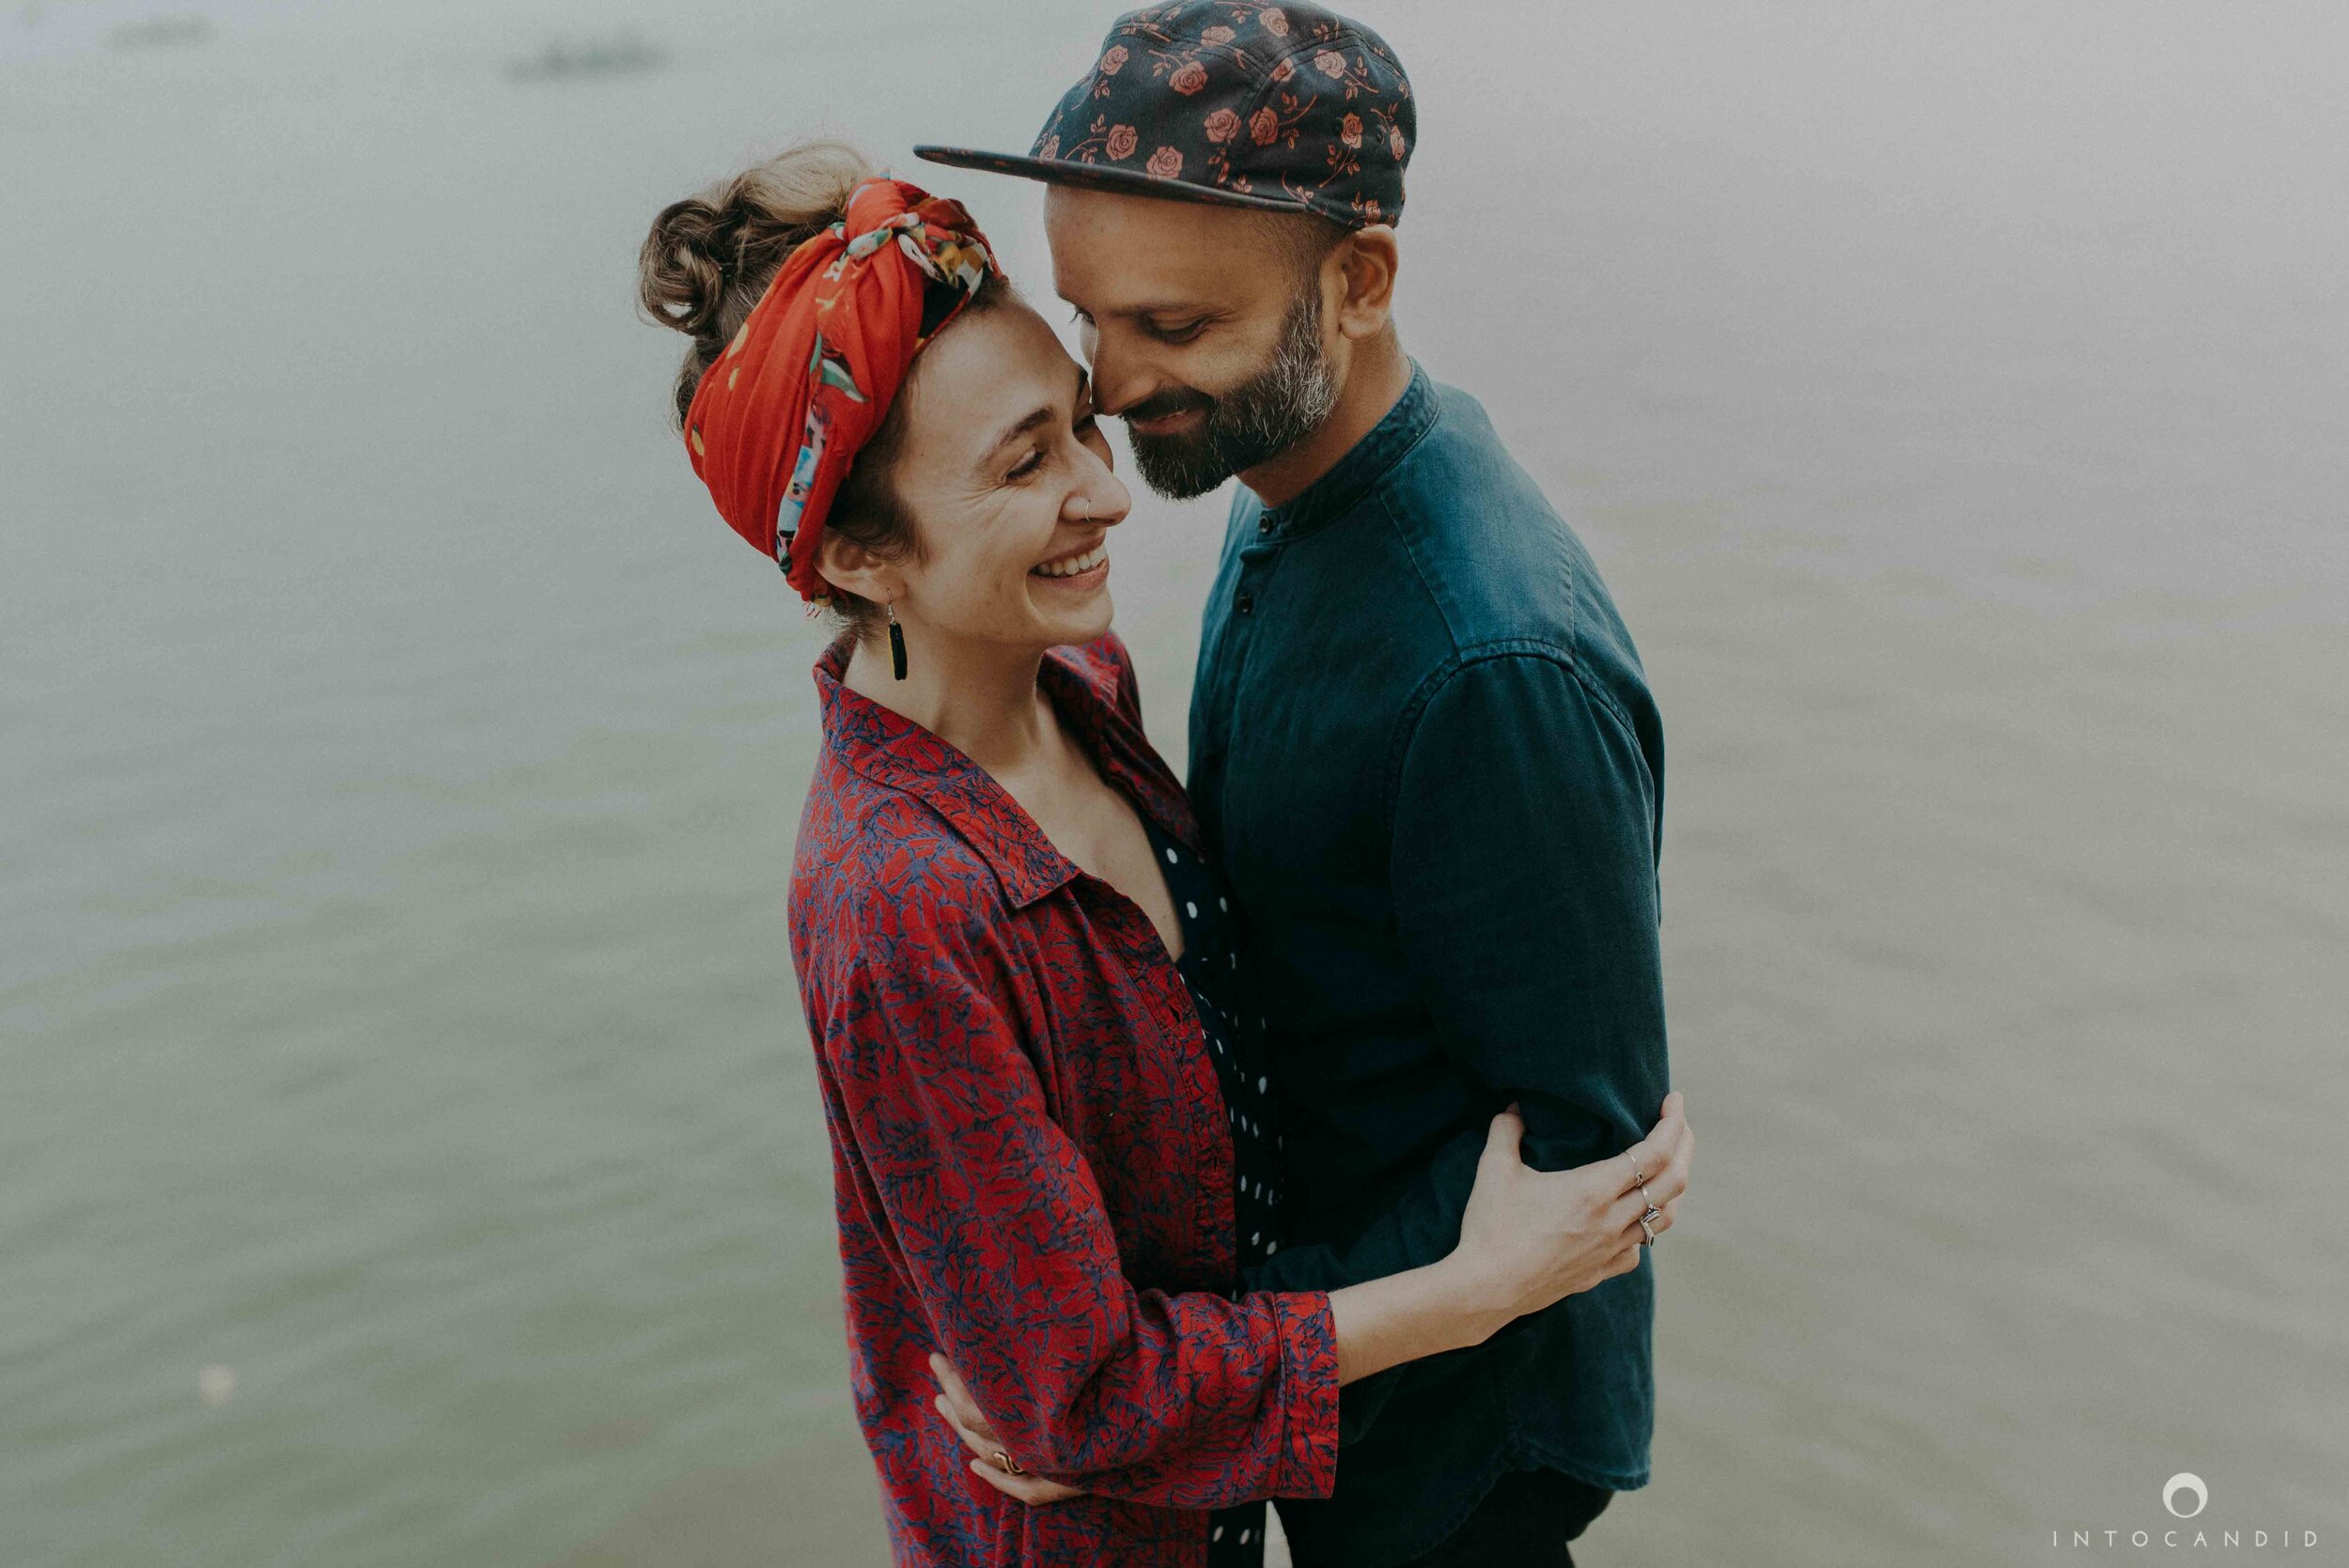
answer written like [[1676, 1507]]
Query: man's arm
[[1524, 876]]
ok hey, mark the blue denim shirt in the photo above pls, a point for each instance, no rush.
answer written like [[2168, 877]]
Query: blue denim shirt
[[1423, 746]]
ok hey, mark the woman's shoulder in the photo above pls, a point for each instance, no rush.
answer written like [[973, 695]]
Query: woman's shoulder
[[865, 848]]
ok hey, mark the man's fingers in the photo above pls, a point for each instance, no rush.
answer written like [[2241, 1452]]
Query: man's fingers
[[1034, 1490], [977, 1439], [966, 1411]]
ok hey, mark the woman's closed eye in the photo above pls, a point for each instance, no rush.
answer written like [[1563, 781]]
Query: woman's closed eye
[[1084, 426]]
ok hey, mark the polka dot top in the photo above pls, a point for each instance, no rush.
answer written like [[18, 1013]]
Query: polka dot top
[[1212, 969]]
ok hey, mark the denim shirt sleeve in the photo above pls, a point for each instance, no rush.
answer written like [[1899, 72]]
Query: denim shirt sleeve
[[1523, 866]]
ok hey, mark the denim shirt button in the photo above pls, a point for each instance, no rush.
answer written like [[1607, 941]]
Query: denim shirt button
[[1245, 603]]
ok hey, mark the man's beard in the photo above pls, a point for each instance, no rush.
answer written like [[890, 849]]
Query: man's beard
[[1261, 418]]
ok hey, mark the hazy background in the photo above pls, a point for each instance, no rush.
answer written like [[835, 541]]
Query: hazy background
[[400, 760]]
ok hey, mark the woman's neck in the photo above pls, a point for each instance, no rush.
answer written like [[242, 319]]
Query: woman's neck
[[981, 699]]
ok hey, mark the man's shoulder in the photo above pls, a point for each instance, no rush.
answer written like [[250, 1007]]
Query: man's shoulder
[[1497, 561]]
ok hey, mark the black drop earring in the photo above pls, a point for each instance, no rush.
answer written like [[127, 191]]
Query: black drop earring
[[896, 644]]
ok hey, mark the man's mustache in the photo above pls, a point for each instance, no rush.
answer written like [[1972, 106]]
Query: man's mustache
[[1160, 404]]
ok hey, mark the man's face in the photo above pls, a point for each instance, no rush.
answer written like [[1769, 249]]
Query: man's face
[[1205, 331]]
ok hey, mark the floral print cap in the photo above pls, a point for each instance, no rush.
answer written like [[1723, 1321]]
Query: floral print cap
[[1284, 107]]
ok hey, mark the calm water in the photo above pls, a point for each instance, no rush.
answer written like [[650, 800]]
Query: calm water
[[400, 760]]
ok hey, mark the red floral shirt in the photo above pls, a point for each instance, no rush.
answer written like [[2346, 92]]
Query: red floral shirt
[[1032, 1163]]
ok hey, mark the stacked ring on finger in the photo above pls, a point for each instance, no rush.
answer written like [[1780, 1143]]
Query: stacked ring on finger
[[1006, 1464]]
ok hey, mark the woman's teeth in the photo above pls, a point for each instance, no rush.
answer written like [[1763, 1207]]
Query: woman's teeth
[[1073, 565]]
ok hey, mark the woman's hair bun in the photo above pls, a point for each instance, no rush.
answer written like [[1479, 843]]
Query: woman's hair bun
[[709, 257]]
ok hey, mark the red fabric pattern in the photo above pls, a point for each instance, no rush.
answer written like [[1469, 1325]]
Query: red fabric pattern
[[1033, 1166], [778, 420]]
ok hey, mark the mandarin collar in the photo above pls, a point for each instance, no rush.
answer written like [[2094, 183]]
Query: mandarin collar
[[1367, 462], [894, 751]]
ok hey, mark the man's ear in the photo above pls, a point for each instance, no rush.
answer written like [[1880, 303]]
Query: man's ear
[[849, 565], [1366, 266]]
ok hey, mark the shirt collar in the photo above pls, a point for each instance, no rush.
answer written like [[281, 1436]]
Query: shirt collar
[[892, 750], [1365, 463]]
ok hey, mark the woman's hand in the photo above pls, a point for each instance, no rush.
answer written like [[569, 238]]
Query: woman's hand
[[963, 1414], [1532, 1237]]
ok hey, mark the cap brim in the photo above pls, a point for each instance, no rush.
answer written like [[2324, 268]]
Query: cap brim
[[1097, 177]]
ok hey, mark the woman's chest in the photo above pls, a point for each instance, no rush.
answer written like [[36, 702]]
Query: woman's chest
[[1117, 1047]]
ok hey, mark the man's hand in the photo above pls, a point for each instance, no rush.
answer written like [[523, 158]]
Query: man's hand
[[962, 1413]]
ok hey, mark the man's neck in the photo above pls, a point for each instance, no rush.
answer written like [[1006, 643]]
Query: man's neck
[[1375, 383], [981, 699]]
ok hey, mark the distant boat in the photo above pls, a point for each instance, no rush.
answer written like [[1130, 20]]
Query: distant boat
[[613, 55], [162, 32]]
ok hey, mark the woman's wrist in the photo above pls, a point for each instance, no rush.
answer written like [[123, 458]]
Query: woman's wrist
[[1404, 1317], [1477, 1300]]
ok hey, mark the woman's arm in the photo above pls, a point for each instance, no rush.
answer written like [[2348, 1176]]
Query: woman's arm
[[1528, 1238], [986, 1206]]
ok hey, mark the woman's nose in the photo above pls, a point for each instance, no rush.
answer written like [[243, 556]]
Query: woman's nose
[[1104, 500], [1101, 496]]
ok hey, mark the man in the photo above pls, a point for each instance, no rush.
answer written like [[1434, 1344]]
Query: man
[[1421, 743]]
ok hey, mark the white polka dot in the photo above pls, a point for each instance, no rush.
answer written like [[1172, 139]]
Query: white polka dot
[[1218, 1536], [1223, 903], [1243, 1537], [1171, 860], [1236, 960], [1192, 907], [1270, 1248], [1263, 1084]]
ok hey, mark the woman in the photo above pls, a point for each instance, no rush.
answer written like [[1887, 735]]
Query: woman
[[1051, 1121]]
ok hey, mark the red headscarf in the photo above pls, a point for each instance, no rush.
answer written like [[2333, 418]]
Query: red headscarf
[[778, 419]]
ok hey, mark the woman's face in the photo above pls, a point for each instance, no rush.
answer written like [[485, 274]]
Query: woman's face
[[1008, 480]]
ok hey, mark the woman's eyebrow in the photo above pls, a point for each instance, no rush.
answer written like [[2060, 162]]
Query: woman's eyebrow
[[1019, 427], [1039, 415]]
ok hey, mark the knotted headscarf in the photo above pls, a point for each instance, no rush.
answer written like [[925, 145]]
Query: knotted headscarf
[[777, 420]]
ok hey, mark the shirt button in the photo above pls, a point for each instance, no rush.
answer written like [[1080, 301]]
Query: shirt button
[[1263, 525], [1246, 603]]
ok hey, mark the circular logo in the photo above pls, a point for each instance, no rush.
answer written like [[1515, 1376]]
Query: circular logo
[[2185, 1481]]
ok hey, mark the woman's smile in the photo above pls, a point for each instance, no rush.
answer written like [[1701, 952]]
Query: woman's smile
[[1085, 569]]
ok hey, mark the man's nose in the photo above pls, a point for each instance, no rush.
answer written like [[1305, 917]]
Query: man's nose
[[1118, 382]]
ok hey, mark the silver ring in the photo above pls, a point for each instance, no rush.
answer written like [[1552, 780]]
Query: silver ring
[[1647, 1224], [1637, 1179]]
